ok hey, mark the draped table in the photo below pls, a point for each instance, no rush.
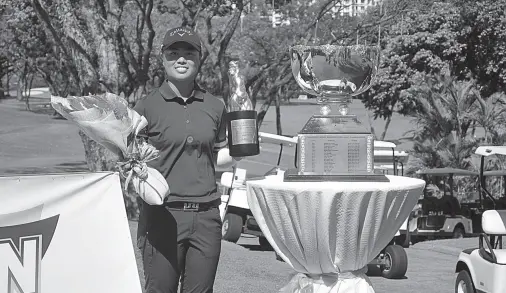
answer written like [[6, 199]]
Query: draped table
[[329, 231]]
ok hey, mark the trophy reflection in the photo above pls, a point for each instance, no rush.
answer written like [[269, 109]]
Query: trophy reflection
[[334, 147]]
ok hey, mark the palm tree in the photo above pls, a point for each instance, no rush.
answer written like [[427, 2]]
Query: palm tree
[[445, 113], [491, 115]]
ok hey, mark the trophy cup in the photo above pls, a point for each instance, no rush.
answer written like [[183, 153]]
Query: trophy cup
[[241, 117], [334, 147]]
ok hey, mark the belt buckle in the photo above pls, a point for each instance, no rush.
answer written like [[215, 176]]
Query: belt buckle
[[190, 206]]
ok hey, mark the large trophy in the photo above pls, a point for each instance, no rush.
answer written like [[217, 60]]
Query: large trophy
[[334, 147]]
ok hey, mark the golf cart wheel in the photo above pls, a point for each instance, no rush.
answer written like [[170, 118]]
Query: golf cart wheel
[[402, 240], [464, 283], [232, 227], [396, 262], [264, 243], [458, 232]]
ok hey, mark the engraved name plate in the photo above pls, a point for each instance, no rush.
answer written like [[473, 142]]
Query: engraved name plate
[[335, 154], [244, 131]]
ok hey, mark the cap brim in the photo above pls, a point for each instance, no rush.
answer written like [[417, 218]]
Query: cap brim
[[196, 46]]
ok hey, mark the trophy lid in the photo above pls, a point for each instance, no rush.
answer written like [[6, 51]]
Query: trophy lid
[[333, 124]]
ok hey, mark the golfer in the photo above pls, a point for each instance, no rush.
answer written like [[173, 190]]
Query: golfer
[[181, 240]]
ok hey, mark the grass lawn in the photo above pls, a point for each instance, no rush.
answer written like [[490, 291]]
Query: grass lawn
[[38, 143]]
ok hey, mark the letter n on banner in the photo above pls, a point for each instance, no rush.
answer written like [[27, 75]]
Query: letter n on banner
[[65, 233]]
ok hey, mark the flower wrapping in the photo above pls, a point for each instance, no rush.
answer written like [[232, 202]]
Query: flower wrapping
[[108, 120]]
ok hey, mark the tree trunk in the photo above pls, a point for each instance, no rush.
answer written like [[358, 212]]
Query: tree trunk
[[28, 90], [8, 83], [387, 124], [98, 158], [373, 131], [263, 110], [278, 113], [2, 89], [21, 83]]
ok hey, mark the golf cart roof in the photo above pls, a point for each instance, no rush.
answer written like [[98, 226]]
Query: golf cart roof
[[384, 144], [491, 150], [388, 153], [495, 173], [277, 139], [447, 171], [384, 167]]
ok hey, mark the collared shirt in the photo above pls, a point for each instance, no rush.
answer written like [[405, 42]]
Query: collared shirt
[[187, 134]]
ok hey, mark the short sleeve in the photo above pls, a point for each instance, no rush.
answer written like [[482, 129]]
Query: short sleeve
[[140, 108], [221, 136]]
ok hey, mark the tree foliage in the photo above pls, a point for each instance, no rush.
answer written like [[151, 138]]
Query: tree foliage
[[441, 62], [466, 38]]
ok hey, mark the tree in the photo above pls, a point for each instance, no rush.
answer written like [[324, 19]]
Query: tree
[[424, 43], [96, 54], [447, 109], [27, 49], [491, 116], [465, 36], [485, 34]]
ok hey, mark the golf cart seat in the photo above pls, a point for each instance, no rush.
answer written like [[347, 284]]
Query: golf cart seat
[[501, 203], [493, 223], [238, 179], [450, 205], [430, 204]]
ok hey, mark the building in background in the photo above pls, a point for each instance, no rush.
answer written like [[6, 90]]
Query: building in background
[[273, 9], [354, 7]]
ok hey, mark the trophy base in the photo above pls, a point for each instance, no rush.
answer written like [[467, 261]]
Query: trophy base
[[331, 124], [292, 175], [242, 133]]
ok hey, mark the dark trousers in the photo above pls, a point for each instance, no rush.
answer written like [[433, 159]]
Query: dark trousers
[[179, 244]]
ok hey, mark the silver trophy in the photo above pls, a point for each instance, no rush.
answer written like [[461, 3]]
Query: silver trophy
[[334, 147]]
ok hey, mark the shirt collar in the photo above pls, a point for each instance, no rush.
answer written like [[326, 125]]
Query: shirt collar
[[169, 95]]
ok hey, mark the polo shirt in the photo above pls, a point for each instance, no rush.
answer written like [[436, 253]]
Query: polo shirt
[[187, 135]]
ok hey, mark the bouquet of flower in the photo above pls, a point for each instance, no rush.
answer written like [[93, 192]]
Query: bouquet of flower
[[109, 121]]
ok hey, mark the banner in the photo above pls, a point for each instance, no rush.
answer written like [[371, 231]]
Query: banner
[[65, 233]]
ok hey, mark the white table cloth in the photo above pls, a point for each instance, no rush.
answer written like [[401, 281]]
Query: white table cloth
[[329, 231]]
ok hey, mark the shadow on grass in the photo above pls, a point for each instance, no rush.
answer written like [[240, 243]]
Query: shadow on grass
[[61, 168], [375, 271], [256, 247]]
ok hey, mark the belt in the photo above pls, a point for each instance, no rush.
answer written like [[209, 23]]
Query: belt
[[193, 206]]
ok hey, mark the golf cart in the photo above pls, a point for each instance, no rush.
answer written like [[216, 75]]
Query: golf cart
[[483, 269], [500, 203], [387, 161], [444, 217], [234, 209], [489, 201], [237, 218]]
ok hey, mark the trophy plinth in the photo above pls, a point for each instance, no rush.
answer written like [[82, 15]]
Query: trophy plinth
[[334, 147]]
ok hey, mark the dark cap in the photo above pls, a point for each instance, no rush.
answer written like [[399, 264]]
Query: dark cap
[[181, 34]]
